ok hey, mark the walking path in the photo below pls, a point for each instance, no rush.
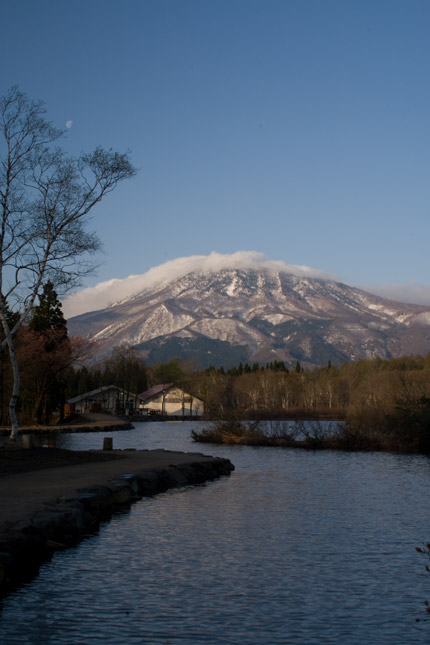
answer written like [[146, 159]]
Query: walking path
[[24, 494], [91, 422]]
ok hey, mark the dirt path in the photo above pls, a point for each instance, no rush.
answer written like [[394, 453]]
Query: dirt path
[[92, 422], [25, 493]]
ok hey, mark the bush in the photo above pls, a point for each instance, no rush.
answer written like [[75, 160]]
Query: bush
[[229, 432], [405, 430]]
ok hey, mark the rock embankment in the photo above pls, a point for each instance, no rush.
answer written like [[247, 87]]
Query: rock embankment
[[25, 544]]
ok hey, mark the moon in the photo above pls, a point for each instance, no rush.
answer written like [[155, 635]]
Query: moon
[[69, 124]]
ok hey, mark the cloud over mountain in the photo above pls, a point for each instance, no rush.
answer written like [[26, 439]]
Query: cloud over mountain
[[107, 293], [202, 310], [414, 292]]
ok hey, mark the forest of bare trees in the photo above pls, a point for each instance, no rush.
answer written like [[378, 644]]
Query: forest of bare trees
[[332, 391]]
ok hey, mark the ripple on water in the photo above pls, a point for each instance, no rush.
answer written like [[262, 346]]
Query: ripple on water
[[294, 547]]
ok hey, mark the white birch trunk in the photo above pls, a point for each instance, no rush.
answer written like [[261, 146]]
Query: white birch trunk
[[16, 380]]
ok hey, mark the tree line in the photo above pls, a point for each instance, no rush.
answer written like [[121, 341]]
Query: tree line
[[382, 405], [332, 391], [274, 390]]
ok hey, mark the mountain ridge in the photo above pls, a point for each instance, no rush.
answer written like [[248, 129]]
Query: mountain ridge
[[260, 315]]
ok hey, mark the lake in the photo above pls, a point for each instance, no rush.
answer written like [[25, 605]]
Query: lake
[[293, 547]]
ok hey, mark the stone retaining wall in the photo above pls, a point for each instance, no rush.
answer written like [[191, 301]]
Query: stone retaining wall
[[30, 542]]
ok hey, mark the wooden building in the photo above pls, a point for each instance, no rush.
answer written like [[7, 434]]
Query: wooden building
[[168, 399], [108, 398]]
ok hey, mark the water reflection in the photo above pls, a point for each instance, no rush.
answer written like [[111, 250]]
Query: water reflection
[[294, 547]]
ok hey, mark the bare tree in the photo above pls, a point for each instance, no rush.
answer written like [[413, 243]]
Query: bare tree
[[45, 198]]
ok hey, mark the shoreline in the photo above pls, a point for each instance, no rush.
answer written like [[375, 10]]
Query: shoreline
[[94, 422], [42, 511]]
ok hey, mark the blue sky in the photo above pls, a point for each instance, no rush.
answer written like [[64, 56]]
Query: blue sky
[[295, 128]]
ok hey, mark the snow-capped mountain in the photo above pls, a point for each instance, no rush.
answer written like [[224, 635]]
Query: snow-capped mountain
[[257, 315]]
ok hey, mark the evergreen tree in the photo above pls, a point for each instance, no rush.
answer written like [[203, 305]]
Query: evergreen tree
[[48, 314], [170, 372], [50, 328]]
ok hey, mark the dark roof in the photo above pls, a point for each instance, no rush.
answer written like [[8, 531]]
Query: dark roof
[[99, 390], [155, 391]]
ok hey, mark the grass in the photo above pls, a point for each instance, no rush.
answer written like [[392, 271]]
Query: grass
[[405, 430], [280, 433]]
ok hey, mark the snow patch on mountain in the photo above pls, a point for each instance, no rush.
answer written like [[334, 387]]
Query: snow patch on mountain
[[110, 330], [233, 331], [113, 292], [264, 312], [232, 287], [161, 318], [277, 319], [423, 318]]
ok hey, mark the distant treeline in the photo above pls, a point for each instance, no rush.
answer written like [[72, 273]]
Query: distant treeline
[[245, 368], [384, 404], [274, 390], [123, 369]]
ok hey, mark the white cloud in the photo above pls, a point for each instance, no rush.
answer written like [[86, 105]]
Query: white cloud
[[106, 293], [413, 292]]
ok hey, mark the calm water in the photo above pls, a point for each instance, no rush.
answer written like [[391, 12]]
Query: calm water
[[294, 547]]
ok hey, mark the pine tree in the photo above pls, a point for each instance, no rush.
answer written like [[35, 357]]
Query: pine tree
[[50, 328], [48, 314]]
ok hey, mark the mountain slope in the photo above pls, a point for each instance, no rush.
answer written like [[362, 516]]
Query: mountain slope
[[257, 315]]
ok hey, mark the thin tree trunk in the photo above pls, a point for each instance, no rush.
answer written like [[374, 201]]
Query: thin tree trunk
[[47, 409], [16, 380], [15, 393], [2, 371], [62, 404], [38, 410]]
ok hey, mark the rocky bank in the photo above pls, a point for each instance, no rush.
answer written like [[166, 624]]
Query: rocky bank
[[28, 539]]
